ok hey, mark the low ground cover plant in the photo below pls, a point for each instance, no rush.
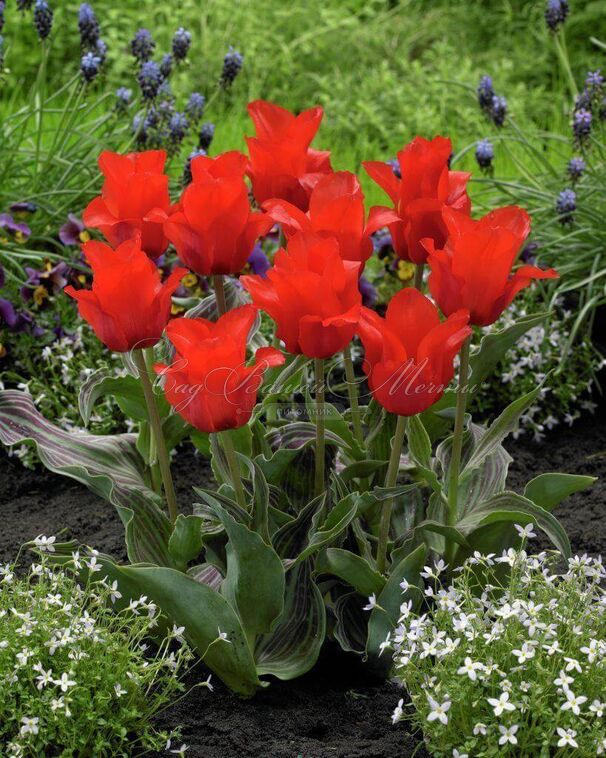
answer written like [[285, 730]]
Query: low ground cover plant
[[507, 657], [79, 670], [313, 511]]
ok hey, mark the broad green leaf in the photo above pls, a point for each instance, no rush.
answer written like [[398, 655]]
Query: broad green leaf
[[351, 625], [338, 519], [260, 496], [509, 507], [384, 619], [206, 573], [109, 466], [204, 613], [292, 538], [254, 582], [352, 569], [419, 444], [293, 647], [499, 430], [360, 470], [495, 344], [548, 490], [185, 542]]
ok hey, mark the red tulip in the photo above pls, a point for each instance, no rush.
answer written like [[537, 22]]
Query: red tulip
[[128, 306], [282, 165], [426, 187], [134, 185], [312, 294], [212, 227], [336, 209], [209, 383], [409, 354], [473, 270]]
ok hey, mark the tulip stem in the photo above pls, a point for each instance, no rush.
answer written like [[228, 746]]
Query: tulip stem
[[220, 294], [320, 441], [156, 430], [457, 439], [390, 481], [153, 453], [352, 389], [234, 468], [419, 269]]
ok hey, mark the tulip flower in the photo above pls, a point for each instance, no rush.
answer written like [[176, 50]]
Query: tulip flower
[[134, 185], [213, 228], [409, 354], [128, 306], [426, 187], [336, 209], [312, 294], [473, 270], [282, 164], [208, 382]]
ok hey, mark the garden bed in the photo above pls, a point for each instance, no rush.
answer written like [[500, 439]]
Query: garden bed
[[337, 710]]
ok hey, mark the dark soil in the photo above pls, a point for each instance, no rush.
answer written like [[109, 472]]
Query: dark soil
[[336, 710]]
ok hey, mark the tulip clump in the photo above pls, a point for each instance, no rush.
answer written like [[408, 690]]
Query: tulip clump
[[245, 564]]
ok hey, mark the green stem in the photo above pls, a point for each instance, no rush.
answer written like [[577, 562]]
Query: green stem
[[352, 389], [419, 268], [156, 474], [560, 44], [320, 441], [234, 468], [390, 481], [156, 429], [220, 294], [457, 440]]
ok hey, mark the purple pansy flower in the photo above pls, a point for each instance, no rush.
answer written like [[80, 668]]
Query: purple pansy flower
[[19, 231], [368, 291], [73, 232]]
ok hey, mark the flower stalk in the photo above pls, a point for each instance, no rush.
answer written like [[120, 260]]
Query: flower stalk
[[418, 281], [352, 389], [457, 440], [320, 426], [156, 430], [390, 481], [234, 468], [220, 294]]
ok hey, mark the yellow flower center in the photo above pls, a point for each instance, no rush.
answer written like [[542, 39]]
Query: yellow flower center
[[406, 270]]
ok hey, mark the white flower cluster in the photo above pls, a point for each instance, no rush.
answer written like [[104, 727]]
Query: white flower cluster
[[76, 672], [543, 349], [511, 657], [54, 383]]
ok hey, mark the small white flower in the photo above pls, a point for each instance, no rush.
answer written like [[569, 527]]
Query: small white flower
[[573, 703], [508, 734], [223, 636], [44, 678], [479, 728], [372, 603], [438, 710], [525, 532], [502, 704], [45, 544], [64, 683], [180, 751], [398, 712], [525, 654], [119, 690], [207, 684], [114, 592], [385, 644], [567, 737], [405, 586], [563, 680], [598, 708], [29, 726], [469, 668], [456, 754]]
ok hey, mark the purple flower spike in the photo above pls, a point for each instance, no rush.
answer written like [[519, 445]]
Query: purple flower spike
[[259, 262]]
